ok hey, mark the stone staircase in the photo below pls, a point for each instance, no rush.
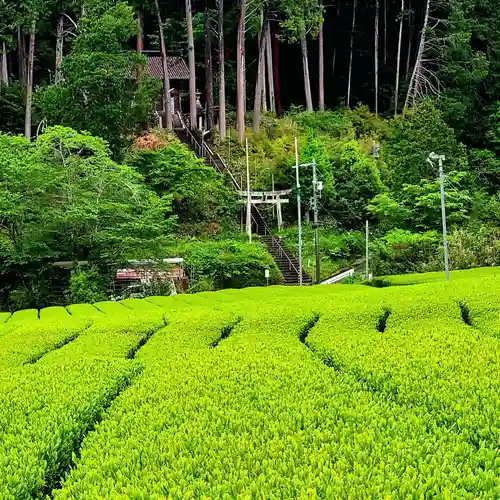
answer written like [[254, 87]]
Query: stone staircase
[[287, 263]]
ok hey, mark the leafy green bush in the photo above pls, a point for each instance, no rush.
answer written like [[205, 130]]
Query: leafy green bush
[[418, 206], [475, 246], [366, 123], [333, 123], [63, 198], [212, 265], [202, 200], [378, 283], [86, 285], [401, 251], [411, 137], [338, 249]]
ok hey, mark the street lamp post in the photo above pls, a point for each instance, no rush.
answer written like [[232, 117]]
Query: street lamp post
[[249, 198], [440, 158]]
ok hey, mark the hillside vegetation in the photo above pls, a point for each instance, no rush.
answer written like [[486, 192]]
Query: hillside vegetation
[[298, 392], [94, 181], [376, 169]]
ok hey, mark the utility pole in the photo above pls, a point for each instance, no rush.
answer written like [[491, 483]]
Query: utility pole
[[367, 264], [249, 199], [299, 212], [317, 186], [443, 217], [440, 159], [316, 233]]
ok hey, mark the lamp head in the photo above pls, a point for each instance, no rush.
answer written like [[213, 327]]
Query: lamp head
[[434, 156]]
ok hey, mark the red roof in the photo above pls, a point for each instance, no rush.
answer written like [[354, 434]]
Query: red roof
[[177, 67]]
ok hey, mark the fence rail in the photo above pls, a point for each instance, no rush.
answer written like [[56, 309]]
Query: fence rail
[[275, 241], [203, 150]]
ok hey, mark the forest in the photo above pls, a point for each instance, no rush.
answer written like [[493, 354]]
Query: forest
[[369, 88]]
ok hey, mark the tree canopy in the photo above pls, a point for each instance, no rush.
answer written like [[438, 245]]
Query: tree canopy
[[63, 198]]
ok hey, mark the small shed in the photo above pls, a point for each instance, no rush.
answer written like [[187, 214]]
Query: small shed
[[142, 274]]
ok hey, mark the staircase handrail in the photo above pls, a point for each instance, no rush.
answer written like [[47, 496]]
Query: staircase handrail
[[275, 241], [192, 139], [200, 149], [216, 157], [205, 151]]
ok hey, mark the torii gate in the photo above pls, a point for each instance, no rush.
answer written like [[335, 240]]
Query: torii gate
[[270, 198]]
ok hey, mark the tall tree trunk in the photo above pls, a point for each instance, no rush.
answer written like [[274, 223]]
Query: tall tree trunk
[[240, 73], [264, 84], [276, 73], [140, 31], [269, 60], [260, 78], [418, 68], [192, 68], [321, 69], [4, 79], [334, 62], [167, 107], [21, 56], [385, 32], [351, 47], [29, 80], [410, 38], [59, 48], [305, 69], [209, 83], [398, 69], [376, 42], [263, 74], [222, 73]]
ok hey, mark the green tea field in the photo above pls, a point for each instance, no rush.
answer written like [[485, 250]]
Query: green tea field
[[342, 391]]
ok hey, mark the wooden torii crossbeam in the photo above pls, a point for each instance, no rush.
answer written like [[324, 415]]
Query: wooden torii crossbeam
[[270, 198]]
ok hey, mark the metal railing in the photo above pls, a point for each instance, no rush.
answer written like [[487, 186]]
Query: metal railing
[[203, 150], [275, 241]]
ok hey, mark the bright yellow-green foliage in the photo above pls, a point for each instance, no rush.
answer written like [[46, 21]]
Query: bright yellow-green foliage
[[319, 392], [84, 310], [413, 279], [23, 316]]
